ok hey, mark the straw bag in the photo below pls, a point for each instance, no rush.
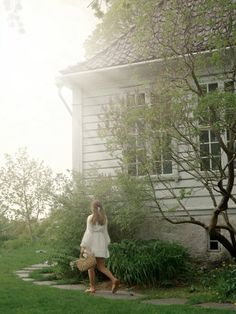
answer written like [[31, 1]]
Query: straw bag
[[86, 261]]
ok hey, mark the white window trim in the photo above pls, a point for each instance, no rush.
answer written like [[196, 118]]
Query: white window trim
[[220, 83], [146, 90]]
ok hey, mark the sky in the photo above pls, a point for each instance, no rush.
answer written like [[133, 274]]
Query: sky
[[31, 113]]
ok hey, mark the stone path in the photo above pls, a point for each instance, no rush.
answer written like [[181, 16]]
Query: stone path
[[24, 274]]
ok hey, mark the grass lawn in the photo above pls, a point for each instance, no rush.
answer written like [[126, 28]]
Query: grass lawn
[[19, 297]]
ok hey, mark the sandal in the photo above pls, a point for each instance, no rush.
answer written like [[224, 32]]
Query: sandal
[[89, 290], [115, 286]]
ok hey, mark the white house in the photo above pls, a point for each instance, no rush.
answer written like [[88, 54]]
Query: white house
[[120, 70]]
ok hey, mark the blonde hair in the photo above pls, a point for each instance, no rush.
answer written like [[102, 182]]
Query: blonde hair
[[99, 215]]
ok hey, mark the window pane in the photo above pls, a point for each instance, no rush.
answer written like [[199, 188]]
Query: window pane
[[216, 163], [212, 87], [132, 169], [214, 245], [229, 86], [154, 99], [204, 150], [141, 99], [167, 167], [205, 164], [204, 136], [157, 168], [141, 155], [215, 149], [213, 137], [131, 100], [141, 169]]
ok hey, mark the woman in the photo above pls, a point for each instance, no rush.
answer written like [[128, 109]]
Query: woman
[[96, 240]]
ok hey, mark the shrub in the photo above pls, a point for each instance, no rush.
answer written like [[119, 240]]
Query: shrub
[[124, 199], [222, 280], [121, 198], [16, 243], [149, 262], [60, 261]]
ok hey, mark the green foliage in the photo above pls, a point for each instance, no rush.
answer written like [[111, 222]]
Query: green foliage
[[149, 262], [189, 38], [222, 281], [26, 187], [21, 241], [60, 260], [18, 296], [219, 109], [122, 198], [4, 228], [66, 224]]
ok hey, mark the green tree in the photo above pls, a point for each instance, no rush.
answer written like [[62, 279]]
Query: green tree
[[4, 228], [192, 38], [26, 187]]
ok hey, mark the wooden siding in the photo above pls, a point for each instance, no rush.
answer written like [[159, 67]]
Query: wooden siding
[[96, 157]]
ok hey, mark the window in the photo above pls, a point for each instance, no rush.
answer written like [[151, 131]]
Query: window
[[210, 151], [162, 163], [229, 86], [135, 152], [138, 152], [207, 88], [213, 243], [234, 147]]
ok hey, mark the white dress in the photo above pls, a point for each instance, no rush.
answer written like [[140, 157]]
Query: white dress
[[96, 239]]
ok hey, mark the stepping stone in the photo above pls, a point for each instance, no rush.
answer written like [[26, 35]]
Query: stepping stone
[[167, 301], [120, 294], [27, 279], [22, 271], [38, 266], [44, 283], [22, 274], [213, 305], [70, 287], [31, 269], [46, 274]]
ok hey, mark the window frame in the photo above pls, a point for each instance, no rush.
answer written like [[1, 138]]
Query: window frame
[[221, 86], [147, 102]]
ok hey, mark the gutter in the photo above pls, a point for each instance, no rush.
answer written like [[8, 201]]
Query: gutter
[[127, 65]]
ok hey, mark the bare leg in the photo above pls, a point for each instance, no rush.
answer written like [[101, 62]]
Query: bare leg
[[91, 273], [102, 268]]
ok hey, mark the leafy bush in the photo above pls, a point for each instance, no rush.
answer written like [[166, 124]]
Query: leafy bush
[[66, 224], [16, 243], [222, 280], [149, 262], [121, 198], [60, 261], [124, 199]]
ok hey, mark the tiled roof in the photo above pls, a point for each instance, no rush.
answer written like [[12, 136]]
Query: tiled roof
[[124, 50], [121, 52]]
